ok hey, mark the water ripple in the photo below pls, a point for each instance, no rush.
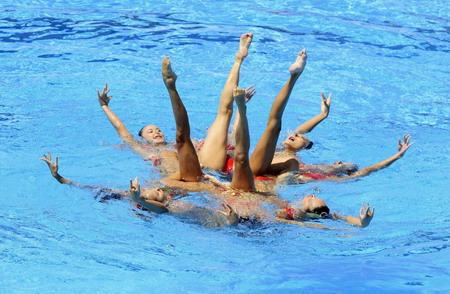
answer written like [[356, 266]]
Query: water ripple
[[13, 30]]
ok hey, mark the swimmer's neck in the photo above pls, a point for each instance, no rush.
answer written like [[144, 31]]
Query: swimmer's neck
[[148, 145], [288, 152]]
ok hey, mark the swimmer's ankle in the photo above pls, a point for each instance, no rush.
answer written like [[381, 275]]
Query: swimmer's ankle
[[170, 84], [239, 59]]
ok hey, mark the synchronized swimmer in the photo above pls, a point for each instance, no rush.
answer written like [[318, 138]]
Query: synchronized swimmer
[[251, 194]]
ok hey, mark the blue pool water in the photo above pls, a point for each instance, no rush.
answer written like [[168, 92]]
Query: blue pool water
[[386, 62]]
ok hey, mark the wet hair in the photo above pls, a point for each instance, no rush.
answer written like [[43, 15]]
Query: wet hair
[[140, 132], [111, 196], [349, 169], [319, 210], [105, 194], [309, 146]]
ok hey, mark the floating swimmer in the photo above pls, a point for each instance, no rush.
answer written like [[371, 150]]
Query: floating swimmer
[[151, 135], [212, 150], [242, 184], [312, 207], [155, 200], [309, 174]]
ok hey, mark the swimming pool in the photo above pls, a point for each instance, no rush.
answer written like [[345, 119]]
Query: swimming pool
[[386, 62]]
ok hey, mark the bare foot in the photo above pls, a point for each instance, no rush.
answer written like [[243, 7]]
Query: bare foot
[[239, 97], [299, 65], [244, 44], [169, 76]]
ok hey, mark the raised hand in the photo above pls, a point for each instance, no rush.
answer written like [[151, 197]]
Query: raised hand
[[403, 146], [249, 93], [325, 105], [134, 185], [53, 166], [365, 215], [103, 98], [135, 189]]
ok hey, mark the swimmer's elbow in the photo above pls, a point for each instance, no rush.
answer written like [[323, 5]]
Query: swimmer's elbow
[[361, 173]]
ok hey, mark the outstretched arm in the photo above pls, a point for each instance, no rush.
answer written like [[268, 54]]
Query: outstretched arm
[[402, 148], [312, 123], [53, 167], [364, 219], [123, 132], [302, 224]]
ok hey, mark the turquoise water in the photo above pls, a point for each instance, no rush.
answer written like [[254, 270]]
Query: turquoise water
[[386, 62]]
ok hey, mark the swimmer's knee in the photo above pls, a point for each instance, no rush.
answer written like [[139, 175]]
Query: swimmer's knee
[[180, 137], [241, 158], [226, 110]]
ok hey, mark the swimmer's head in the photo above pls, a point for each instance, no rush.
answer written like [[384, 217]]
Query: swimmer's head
[[154, 195], [152, 134], [297, 142], [312, 207], [345, 167], [313, 204]]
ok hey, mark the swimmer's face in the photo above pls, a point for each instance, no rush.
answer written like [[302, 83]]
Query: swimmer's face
[[154, 195], [152, 134], [310, 203], [297, 142]]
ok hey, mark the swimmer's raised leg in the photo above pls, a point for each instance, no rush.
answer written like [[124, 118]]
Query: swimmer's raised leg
[[190, 170], [243, 176], [262, 156], [214, 150]]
